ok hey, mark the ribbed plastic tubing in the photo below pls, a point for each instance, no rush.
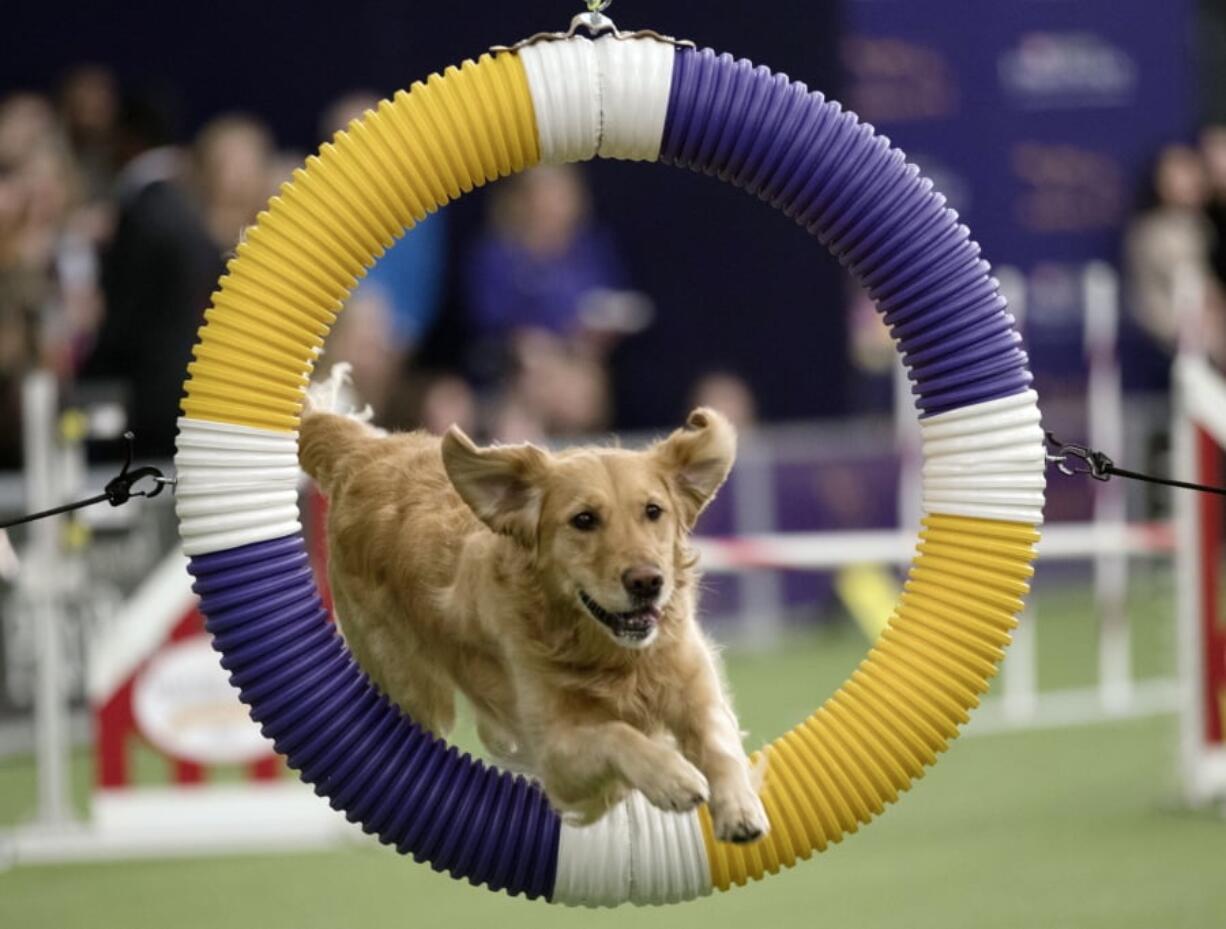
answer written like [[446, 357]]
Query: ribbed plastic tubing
[[571, 100]]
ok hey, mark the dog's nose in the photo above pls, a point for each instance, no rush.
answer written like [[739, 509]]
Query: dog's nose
[[643, 581]]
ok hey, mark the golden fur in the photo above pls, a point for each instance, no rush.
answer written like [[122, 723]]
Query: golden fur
[[460, 568]]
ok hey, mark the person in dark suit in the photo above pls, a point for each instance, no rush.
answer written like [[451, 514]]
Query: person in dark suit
[[157, 276]]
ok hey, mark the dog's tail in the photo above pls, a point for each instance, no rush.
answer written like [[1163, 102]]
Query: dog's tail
[[331, 427]]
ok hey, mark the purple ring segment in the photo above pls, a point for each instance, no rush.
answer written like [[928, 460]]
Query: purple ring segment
[[294, 672], [844, 183]]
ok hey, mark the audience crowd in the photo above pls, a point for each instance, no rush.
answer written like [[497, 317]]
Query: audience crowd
[[113, 235], [1175, 249]]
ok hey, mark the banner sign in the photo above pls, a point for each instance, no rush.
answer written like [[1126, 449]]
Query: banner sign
[[1037, 118]]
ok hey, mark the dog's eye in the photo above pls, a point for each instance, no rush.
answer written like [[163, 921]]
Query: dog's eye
[[654, 511], [585, 521]]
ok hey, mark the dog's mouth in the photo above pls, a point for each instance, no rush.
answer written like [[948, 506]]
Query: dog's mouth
[[631, 628]]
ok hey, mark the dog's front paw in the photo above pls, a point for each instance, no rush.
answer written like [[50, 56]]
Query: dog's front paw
[[739, 817], [673, 784]]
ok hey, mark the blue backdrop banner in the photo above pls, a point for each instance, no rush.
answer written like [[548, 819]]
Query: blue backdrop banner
[[1037, 118]]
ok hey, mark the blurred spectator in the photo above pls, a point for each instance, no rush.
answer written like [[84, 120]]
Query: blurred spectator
[[871, 352], [62, 242], [872, 348], [512, 421], [360, 338], [727, 393], [48, 296], [546, 299], [448, 401], [543, 265], [89, 106], [396, 304], [559, 388], [233, 159], [21, 296], [29, 121], [157, 277], [1213, 151], [1167, 255]]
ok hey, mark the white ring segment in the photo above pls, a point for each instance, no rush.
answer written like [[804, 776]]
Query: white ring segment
[[986, 460], [636, 853], [607, 97], [236, 485]]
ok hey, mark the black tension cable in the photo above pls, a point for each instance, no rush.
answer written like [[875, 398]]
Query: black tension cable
[[118, 490], [1081, 459], [1069, 458]]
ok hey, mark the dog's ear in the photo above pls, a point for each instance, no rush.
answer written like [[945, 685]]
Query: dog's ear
[[697, 458], [502, 485]]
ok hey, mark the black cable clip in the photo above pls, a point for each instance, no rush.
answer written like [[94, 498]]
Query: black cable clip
[[1079, 459], [119, 490]]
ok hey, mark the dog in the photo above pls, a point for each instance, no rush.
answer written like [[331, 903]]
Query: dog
[[556, 592]]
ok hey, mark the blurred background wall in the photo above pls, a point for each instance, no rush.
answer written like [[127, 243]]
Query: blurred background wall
[[1039, 120], [713, 261]]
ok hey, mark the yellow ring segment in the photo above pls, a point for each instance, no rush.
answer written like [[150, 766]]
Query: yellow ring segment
[[901, 707], [335, 218]]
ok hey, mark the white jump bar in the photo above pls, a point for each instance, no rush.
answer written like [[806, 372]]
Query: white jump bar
[[825, 550]]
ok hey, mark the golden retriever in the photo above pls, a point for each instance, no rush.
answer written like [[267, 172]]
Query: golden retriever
[[556, 592]]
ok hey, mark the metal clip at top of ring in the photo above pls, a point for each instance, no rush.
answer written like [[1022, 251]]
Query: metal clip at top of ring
[[597, 25]]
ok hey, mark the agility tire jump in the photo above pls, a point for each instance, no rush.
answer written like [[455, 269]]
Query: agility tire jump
[[648, 99]]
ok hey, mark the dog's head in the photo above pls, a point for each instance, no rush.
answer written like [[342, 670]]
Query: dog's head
[[608, 527]]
